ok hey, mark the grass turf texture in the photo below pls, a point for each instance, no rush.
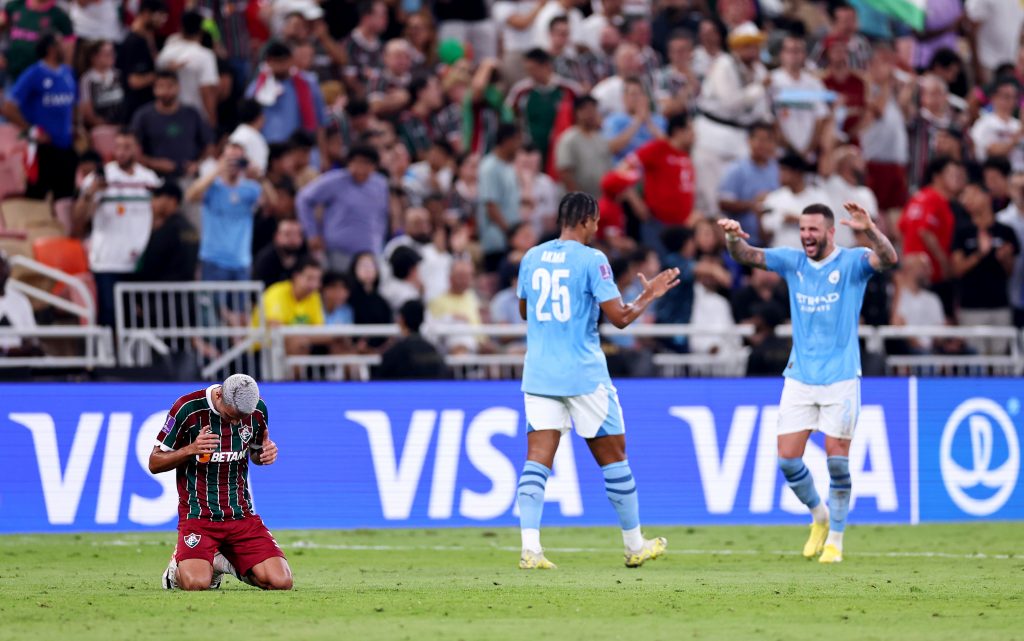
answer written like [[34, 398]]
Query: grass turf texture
[[928, 582]]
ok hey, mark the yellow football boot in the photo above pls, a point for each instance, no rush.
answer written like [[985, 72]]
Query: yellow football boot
[[816, 541], [831, 554], [652, 549], [535, 561]]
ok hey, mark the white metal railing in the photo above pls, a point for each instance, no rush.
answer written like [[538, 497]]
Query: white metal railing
[[97, 349], [86, 311], [220, 324]]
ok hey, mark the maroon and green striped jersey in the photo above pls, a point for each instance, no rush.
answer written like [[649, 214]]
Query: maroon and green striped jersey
[[218, 489]]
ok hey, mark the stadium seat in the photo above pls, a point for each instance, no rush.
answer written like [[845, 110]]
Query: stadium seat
[[24, 214], [69, 256]]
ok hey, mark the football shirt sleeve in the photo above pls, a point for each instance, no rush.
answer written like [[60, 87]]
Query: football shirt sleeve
[[173, 433], [602, 281], [781, 259]]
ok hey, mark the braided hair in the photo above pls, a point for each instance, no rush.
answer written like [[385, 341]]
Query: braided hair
[[575, 209]]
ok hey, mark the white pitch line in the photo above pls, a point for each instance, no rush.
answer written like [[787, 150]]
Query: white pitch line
[[312, 545]]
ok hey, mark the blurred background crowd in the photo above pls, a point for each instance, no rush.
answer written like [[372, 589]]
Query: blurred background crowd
[[391, 161]]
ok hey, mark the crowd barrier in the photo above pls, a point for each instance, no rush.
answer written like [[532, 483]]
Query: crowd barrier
[[449, 454]]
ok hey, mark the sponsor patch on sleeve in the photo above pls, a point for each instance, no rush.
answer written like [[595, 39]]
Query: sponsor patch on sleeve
[[606, 271], [168, 426]]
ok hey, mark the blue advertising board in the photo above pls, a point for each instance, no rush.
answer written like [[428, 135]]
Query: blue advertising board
[[74, 457]]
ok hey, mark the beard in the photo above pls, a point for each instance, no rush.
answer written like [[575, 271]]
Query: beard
[[422, 239]]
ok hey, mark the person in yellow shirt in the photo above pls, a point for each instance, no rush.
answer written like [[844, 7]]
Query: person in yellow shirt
[[460, 306], [296, 302]]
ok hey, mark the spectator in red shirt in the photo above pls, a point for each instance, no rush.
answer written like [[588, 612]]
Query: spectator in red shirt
[[669, 179], [927, 223], [615, 185]]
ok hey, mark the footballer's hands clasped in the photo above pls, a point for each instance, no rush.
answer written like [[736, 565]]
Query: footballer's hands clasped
[[730, 226], [661, 283], [269, 452], [206, 443]]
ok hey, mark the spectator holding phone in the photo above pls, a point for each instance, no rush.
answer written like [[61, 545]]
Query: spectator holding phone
[[229, 202]]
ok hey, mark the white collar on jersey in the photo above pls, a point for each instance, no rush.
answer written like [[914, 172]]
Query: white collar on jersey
[[818, 264], [209, 398]]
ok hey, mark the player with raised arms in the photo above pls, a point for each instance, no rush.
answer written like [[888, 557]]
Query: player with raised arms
[[822, 388], [209, 438], [564, 286]]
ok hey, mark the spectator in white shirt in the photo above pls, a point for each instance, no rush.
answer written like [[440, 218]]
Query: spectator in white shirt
[[785, 204], [405, 284], [419, 234], [802, 119], [432, 175], [609, 92], [195, 65], [998, 133], [995, 33], [553, 9], [248, 136], [915, 305], [844, 171], [515, 20]]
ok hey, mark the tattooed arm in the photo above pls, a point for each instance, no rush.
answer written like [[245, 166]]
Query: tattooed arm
[[739, 249], [883, 256]]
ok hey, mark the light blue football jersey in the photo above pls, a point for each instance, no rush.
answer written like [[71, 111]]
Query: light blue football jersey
[[563, 284], [824, 301]]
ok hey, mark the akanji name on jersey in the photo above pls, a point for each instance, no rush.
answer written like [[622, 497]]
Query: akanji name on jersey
[[217, 489]]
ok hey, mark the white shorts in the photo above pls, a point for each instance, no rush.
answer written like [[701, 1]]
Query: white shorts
[[831, 409], [595, 414]]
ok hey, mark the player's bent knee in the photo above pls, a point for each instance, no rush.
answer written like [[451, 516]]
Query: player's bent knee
[[273, 574], [193, 583]]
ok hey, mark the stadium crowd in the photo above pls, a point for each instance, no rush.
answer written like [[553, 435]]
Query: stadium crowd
[[382, 161]]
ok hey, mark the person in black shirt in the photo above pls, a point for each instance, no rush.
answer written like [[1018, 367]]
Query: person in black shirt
[[368, 306], [983, 256], [173, 248], [136, 58], [412, 357], [173, 136], [277, 261]]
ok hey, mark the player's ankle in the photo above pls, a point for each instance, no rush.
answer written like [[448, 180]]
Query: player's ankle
[[820, 513], [836, 539]]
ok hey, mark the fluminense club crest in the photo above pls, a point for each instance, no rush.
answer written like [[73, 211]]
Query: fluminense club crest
[[192, 540], [245, 433]]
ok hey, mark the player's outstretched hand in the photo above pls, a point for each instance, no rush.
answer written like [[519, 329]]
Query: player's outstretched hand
[[859, 220], [206, 443], [269, 452], [661, 283], [731, 226]]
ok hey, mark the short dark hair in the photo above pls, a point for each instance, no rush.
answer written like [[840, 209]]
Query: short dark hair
[[357, 107], [277, 150], [635, 80], [583, 101], [191, 24], [412, 313], [304, 263], [365, 152], [837, 6], [301, 139], [575, 209], [418, 83], [557, 20], [365, 8], [152, 6], [443, 145], [760, 126], [332, 278], [998, 163], [678, 121], [1004, 81], [277, 50], [681, 34], [945, 57], [166, 74], [820, 209], [170, 189], [46, 41], [539, 56], [403, 260], [675, 238], [938, 165], [249, 111], [506, 131]]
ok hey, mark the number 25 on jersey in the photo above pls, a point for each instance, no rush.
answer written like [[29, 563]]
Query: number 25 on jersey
[[549, 284]]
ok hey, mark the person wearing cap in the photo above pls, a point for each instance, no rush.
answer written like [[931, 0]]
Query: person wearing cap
[[733, 97], [195, 65], [209, 438], [781, 221], [115, 203], [172, 253]]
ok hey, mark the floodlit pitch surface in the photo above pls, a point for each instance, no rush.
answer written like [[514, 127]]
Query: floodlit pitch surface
[[962, 581]]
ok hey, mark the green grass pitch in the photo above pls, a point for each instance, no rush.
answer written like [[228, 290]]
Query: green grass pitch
[[956, 582]]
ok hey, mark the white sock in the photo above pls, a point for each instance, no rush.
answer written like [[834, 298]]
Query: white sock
[[633, 539], [836, 539], [531, 540], [819, 512]]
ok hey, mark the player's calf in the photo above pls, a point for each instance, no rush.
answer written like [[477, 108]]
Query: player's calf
[[272, 574]]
